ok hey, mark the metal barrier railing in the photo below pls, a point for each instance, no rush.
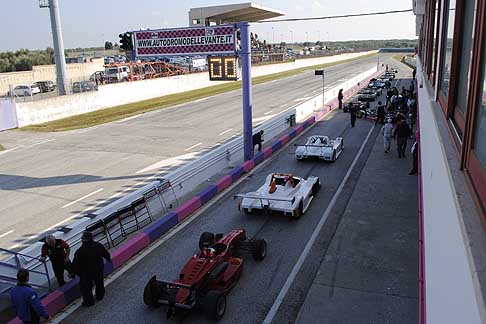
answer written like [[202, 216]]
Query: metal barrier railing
[[9, 269]]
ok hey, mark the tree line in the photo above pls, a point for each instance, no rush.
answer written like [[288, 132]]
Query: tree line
[[24, 59]]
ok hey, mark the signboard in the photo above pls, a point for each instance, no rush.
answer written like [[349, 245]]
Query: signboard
[[185, 41], [223, 68], [319, 72]]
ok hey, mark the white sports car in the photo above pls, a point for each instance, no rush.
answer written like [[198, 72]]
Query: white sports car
[[281, 192], [320, 147]]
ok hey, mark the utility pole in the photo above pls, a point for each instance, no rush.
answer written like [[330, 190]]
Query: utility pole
[[245, 55], [60, 59]]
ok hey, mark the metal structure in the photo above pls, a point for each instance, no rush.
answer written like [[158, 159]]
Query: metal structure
[[150, 70], [245, 55], [60, 59]]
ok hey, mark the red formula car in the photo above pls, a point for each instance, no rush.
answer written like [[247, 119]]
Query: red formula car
[[208, 276]]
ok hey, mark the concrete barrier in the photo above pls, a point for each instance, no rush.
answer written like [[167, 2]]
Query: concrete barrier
[[70, 292], [40, 111]]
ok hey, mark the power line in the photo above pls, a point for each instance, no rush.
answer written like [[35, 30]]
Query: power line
[[334, 17]]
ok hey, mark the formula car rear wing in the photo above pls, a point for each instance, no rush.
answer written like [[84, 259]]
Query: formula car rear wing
[[250, 196], [164, 292]]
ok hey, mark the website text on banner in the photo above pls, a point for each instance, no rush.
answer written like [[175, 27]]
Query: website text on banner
[[185, 41]]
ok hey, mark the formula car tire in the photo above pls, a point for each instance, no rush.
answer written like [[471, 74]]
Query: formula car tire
[[214, 304], [315, 188], [300, 210], [259, 249], [206, 237], [333, 156], [150, 296]]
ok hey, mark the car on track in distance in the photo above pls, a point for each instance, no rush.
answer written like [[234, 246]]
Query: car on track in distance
[[281, 192], [321, 147], [208, 276]]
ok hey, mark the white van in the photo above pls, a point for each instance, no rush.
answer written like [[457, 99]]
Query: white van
[[117, 73]]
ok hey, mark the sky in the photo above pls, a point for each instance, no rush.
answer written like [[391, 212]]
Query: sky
[[89, 23]]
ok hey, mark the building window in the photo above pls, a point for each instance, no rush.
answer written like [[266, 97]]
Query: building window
[[196, 21], [435, 31], [480, 129], [447, 52]]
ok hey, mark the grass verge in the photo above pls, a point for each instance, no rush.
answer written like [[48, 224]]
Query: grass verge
[[123, 111], [2, 147]]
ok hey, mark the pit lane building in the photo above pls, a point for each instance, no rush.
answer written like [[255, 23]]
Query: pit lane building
[[451, 79], [227, 14]]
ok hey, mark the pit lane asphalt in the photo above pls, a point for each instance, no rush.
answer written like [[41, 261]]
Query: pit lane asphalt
[[261, 282], [52, 177]]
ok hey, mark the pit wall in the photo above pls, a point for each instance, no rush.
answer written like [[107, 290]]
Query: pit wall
[[63, 296], [75, 72], [40, 111]]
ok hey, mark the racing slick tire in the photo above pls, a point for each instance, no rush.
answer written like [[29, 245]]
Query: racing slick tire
[[300, 210], [259, 249], [214, 304], [150, 293], [333, 156], [206, 237], [315, 188]]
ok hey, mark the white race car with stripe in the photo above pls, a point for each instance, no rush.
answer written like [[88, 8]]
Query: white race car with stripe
[[281, 192], [318, 146]]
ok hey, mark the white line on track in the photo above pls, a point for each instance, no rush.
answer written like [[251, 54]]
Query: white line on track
[[194, 146], [6, 233], [84, 197], [39, 143], [226, 131], [283, 292], [12, 149], [268, 112], [128, 118], [281, 106]]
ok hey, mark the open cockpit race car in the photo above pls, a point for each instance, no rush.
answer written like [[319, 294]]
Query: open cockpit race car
[[281, 192], [367, 94], [321, 147], [208, 276]]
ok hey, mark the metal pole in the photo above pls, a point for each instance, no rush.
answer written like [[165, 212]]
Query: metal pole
[[58, 46], [323, 91], [245, 55]]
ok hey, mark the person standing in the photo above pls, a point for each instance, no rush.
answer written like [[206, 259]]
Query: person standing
[[25, 300], [402, 132], [380, 114], [340, 98], [88, 265], [414, 73], [258, 139], [387, 130], [58, 252], [352, 114]]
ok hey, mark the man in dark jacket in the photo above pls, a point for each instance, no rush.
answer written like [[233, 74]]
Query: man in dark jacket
[[352, 114], [340, 98], [380, 114], [58, 252], [402, 132], [88, 265], [25, 300], [258, 139]]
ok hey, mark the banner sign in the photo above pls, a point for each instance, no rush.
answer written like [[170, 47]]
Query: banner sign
[[185, 41]]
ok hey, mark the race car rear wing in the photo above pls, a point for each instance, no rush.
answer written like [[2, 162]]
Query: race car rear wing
[[312, 145], [250, 196]]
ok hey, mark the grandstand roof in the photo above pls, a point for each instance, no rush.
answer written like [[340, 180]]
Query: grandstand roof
[[218, 15]]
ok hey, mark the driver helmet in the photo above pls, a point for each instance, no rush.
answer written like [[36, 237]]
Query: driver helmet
[[211, 252]]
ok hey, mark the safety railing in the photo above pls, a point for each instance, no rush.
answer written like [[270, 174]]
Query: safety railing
[[39, 274]]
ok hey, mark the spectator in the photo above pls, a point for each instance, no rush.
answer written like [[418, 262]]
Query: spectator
[[88, 265], [393, 102], [380, 114], [340, 98], [58, 252], [352, 114], [25, 300], [402, 132], [414, 72], [415, 158], [258, 139], [386, 68], [387, 130]]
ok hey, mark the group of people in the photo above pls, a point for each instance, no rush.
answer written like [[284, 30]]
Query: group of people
[[87, 264]]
